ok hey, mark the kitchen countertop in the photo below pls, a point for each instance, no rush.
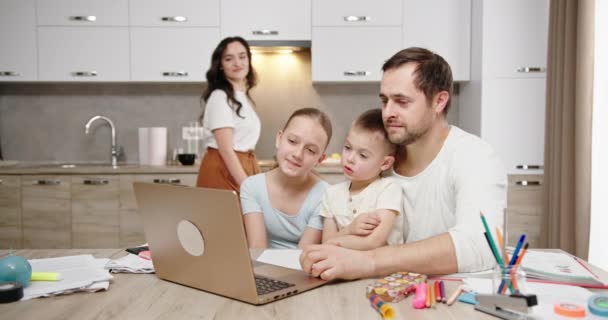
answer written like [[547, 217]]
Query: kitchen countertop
[[66, 167]]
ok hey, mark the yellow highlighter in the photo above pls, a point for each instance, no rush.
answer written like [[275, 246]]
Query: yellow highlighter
[[45, 276]]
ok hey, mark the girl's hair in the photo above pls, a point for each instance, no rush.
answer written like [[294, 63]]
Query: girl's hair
[[217, 80], [315, 114]]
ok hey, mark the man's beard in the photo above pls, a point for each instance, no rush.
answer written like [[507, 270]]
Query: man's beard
[[408, 137]]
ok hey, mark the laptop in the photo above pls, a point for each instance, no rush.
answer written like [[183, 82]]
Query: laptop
[[197, 239]]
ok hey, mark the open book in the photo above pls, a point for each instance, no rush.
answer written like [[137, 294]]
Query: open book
[[558, 267]]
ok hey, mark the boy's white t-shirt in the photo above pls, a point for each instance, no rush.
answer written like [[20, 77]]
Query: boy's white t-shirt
[[465, 178], [219, 114], [383, 193]]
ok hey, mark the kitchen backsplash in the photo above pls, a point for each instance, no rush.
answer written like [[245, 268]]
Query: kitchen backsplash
[[45, 122]]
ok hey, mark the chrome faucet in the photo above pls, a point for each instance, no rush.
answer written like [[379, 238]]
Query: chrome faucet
[[114, 149]]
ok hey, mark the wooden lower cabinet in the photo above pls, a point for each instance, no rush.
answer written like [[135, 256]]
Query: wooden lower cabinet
[[524, 209], [11, 234], [95, 216], [46, 211]]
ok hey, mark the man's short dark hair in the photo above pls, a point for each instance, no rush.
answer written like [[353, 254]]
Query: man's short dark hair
[[432, 75]]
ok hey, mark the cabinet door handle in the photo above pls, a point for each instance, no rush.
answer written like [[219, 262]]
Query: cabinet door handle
[[357, 18], [175, 19], [528, 166], [96, 182], [84, 18], [84, 73], [530, 69], [175, 74], [47, 182], [9, 74], [168, 181], [357, 73], [265, 32], [526, 183]]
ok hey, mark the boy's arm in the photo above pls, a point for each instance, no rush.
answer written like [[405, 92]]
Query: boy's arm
[[330, 229], [375, 239]]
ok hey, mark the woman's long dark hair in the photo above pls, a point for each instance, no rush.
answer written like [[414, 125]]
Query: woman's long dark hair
[[217, 80]]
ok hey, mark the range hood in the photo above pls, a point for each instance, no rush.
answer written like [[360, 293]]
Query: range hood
[[279, 46]]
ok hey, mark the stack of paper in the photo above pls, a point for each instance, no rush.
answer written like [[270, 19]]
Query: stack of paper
[[558, 267], [286, 258], [78, 273], [130, 264]]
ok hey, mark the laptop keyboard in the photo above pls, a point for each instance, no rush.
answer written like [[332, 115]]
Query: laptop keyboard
[[265, 285]]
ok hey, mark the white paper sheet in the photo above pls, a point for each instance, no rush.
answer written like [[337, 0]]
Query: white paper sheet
[[130, 264], [287, 258], [78, 273]]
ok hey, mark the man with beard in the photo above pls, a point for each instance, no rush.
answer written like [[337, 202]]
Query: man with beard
[[448, 177]]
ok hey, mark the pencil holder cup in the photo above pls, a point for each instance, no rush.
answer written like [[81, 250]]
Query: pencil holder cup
[[509, 280]]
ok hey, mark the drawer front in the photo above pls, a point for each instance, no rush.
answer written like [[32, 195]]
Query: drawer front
[[356, 13], [176, 13], [10, 212], [83, 13]]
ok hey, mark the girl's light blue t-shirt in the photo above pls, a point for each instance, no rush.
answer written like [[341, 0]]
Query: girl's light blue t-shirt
[[284, 231]]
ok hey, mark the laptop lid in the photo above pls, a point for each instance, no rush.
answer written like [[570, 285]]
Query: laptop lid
[[197, 238]]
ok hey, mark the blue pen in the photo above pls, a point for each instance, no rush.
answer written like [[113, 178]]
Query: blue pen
[[513, 258]]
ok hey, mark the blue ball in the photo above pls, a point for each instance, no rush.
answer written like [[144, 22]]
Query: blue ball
[[15, 268]]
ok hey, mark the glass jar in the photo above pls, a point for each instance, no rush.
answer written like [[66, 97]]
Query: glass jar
[[509, 280]]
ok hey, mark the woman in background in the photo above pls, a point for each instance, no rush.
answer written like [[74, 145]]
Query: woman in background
[[230, 123]]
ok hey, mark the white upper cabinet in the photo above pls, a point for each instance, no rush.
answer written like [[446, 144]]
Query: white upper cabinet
[[18, 40], [176, 13], [356, 13], [442, 26], [180, 54], [83, 54], [266, 19], [83, 12], [513, 121], [352, 54], [515, 38]]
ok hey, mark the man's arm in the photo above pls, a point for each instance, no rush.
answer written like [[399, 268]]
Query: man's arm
[[433, 256]]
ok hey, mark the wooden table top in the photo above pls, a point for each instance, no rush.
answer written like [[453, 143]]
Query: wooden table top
[[144, 296]]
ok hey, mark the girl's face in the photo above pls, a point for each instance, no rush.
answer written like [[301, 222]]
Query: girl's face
[[235, 62], [301, 146]]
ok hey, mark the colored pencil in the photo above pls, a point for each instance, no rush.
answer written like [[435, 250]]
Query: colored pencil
[[513, 260], [493, 246]]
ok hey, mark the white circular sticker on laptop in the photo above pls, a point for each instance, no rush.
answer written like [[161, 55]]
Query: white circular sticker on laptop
[[190, 238]]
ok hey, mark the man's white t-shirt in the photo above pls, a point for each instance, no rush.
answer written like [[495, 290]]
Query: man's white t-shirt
[[219, 114], [465, 178]]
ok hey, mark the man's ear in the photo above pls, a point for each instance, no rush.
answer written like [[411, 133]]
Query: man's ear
[[387, 163], [278, 138], [441, 100]]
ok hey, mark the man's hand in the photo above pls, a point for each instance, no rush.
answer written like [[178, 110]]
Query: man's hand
[[364, 224], [331, 262]]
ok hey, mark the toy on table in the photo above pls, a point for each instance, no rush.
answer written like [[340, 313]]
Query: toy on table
[[395, 287], [386, 311]]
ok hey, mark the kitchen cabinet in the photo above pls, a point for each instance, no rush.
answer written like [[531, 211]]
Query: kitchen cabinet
[[442, 26], [176, 13], [515, 38], [337, 13], [18, 38], [10, 212], [513, 121], [352, 54], [501, 105], [46, 211], [266, 19], [83, 13], [85, 54], [524, 209], [180, 54], [95, 214]]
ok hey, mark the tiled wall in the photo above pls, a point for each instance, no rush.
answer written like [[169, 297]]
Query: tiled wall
[[40, 122]]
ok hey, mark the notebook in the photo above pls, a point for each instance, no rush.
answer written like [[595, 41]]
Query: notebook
[[559, 267]]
